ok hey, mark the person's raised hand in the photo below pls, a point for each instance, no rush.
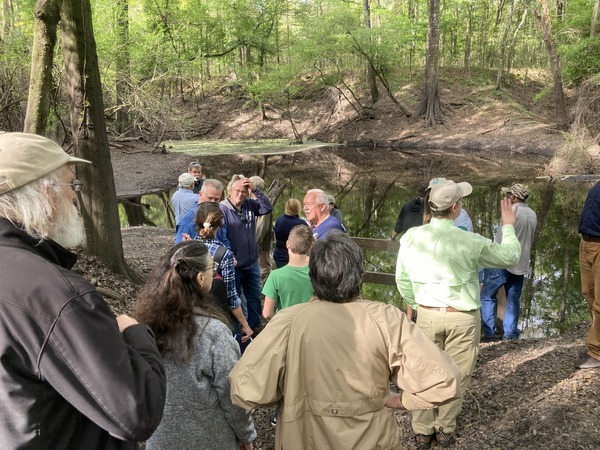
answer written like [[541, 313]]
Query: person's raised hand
[[248, 184], [509, 214]]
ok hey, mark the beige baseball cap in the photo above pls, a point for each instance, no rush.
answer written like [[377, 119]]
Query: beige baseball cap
[[26, 157], [445, 193]]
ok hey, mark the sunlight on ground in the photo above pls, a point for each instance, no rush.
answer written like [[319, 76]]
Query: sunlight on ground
[[250, 146]]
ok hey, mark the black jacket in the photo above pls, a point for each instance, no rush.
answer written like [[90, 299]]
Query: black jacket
[[589, 221], [411, 215], [68, 378]]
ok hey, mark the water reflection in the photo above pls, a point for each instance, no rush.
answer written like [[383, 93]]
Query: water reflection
[[551, 299]]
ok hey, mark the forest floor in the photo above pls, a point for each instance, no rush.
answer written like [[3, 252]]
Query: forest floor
[[525, 394]]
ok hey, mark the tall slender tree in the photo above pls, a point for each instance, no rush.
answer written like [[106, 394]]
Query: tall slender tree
[[371, 77], [47, 17], [542, 18], [429, 105], [123, 81], [88, 126]]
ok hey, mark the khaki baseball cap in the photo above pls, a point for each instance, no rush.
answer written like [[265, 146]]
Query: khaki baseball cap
[[518, 190], [445, 193], [26, 157]]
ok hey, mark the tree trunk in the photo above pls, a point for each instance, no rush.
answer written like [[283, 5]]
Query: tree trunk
[[123, 69], [134, 210], [47, 16], [7, 18], [543, 21], [371, 78], [430, 104], [508, 24], [468, 38], [98, 199], [594, 18], [513, 41]]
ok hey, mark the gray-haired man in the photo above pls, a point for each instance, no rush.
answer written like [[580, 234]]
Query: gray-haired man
[[71, 375]]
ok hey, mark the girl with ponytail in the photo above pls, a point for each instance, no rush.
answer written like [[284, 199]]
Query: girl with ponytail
[[209, 219], [195, 342]]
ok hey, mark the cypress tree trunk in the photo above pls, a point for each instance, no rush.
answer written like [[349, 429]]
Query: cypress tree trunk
[[98, 199], [47, 16]]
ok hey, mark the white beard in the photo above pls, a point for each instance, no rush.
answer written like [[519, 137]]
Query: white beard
[[68, 230]]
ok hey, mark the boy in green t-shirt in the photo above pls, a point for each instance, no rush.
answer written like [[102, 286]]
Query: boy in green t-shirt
[[290, 284]]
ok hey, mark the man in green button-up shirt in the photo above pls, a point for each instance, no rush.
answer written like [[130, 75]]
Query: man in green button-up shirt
[[437, 273]]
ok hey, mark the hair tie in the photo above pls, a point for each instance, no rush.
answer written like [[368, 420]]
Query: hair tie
[[206, 225]]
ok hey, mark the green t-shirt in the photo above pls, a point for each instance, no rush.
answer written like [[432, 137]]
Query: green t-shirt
[[288, 286]]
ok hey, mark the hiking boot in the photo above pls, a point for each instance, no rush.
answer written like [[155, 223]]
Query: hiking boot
[[424, 441], [490, 338], [590, 363], [444, 440]]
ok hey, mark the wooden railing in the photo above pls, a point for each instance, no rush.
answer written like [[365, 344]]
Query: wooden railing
[[380, 245]]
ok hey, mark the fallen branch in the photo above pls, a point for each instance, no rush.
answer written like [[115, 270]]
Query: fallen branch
[[109, 293], [497, 128]]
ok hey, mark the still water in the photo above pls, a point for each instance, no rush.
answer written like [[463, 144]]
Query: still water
[[551, 299]]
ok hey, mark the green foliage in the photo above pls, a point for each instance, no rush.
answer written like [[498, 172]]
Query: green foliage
[[581, 60], [181, 49]]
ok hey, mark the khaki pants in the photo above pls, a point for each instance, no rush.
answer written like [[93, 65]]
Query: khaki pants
[[589, 265], [457, 333]]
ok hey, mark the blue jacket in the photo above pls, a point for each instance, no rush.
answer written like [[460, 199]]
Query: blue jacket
[[589, 221], [183, 200], [188, 226], [241, 227]]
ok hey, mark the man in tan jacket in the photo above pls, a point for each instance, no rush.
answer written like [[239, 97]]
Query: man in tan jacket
[[328, 363]]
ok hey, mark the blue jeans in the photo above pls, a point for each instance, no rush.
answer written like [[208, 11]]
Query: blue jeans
[[248, 280], [493, 280]]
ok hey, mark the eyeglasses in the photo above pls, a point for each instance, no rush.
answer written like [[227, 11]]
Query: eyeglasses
[[76, 185]]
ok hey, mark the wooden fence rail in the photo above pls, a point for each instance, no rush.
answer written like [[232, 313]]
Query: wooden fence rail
[[380, 245]]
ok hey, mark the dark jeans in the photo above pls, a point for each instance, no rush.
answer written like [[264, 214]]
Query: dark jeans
[[493, 280], [248, 281]]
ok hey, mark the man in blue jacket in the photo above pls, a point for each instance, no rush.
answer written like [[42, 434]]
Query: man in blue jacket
[[212, 191], [245, 202]]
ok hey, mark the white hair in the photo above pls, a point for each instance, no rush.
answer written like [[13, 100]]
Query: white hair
[[234, 179], [258, 182], [321, 196], [29, 207], [210, 182]]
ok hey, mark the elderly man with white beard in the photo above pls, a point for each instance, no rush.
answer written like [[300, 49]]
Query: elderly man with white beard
[[71, 374]]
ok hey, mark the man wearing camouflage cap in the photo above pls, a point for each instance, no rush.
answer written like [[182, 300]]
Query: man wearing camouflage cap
[[513, 277], [437, 273], [71, 374]]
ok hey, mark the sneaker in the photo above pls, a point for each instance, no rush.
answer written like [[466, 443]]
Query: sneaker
[[424, 441], [444, 440], [590, 363]]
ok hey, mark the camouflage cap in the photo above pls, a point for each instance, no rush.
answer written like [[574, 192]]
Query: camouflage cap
[[518, 190]]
